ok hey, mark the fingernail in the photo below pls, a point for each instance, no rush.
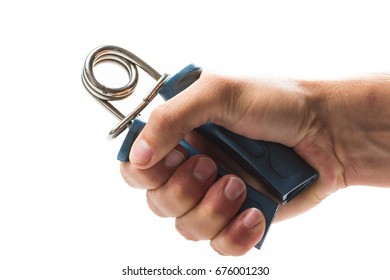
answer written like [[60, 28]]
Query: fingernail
[[204, 169], [174, 158], [141, 153], [234, 188], [252, 218]]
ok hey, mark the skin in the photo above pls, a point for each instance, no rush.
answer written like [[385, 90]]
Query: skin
[[341, 128]]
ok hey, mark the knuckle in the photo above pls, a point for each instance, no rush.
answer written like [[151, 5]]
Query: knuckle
[[213, 212], [228, 247], [163, 117], [217, 249], [215, 79], [152, 205], [125, 173], [164, 204], [226, 92], [184, 230], [138, 179], [197, 227], [182, 200]]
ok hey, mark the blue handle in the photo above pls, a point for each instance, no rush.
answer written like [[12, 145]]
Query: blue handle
[[253, 198]]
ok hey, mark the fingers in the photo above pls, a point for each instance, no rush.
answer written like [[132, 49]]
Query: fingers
[[214, 218], [184, 189], [155, 176], [219, 205], [205, 209], [242, 234]]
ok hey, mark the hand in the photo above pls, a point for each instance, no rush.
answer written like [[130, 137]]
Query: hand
[[293, 113]]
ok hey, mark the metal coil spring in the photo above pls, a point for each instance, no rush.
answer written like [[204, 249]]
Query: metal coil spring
[[105, 94]]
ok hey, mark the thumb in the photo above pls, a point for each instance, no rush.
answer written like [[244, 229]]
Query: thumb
[[168, 123]]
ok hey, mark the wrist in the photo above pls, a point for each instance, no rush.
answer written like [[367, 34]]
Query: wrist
[[356, 116]]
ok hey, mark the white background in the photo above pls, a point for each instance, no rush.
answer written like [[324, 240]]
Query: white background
[[65, 212]]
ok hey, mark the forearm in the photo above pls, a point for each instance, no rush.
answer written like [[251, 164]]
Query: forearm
[[356, 114]]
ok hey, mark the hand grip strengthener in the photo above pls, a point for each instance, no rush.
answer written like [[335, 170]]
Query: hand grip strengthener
[[277, 167]]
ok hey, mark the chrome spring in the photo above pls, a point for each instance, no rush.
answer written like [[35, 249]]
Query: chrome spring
[[105, 94]]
